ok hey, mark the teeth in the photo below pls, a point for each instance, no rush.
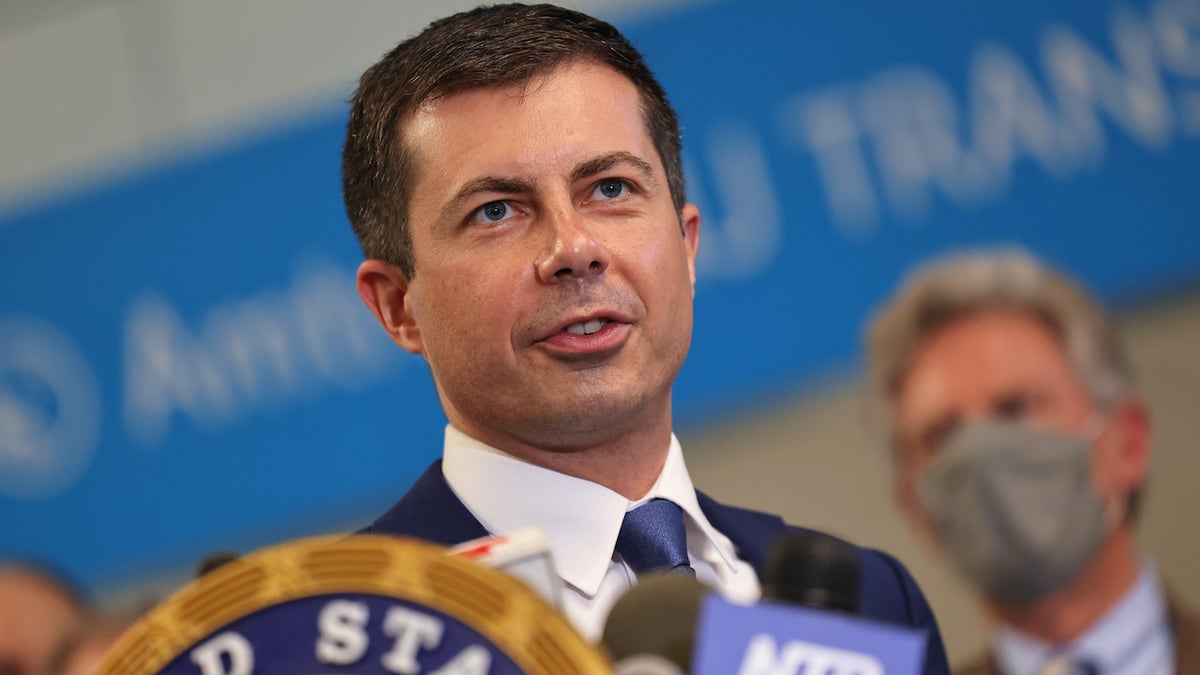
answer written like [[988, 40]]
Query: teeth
[[587, 328]]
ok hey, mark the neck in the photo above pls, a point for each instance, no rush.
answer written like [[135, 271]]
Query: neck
[[627, 461], [1066, 614]]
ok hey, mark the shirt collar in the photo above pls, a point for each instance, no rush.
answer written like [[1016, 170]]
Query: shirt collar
[[1107, 643], [580, 518], [675, 484]]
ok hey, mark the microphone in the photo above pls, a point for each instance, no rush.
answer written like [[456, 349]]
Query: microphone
[[807, 622], [651, 629], [813, 570], [524, 554]]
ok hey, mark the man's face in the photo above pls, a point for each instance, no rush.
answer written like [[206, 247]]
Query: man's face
[[1004, 364], [552, 295]]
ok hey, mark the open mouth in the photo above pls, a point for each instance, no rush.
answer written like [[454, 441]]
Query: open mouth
[[586, 327]]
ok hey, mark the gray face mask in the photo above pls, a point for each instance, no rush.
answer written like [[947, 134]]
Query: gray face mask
[[1015, 507]]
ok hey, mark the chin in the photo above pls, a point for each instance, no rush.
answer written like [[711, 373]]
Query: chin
[[588, 421]]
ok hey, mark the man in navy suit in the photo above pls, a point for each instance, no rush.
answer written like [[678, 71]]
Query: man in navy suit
[[513, 174]]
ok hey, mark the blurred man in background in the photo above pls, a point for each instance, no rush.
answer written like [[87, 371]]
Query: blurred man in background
[[37, 612], [1022, 452], [513, 174]]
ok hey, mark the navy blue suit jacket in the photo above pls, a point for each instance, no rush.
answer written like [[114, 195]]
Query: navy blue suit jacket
[[431, 511]]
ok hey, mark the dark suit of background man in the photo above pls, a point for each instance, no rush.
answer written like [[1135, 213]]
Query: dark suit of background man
[[1021, 452], [513, 175]]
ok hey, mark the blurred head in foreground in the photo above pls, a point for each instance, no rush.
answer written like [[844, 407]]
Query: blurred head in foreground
[[37, 611], [85, 647]]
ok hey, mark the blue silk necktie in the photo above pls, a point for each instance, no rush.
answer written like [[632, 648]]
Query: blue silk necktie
[[653, 538]]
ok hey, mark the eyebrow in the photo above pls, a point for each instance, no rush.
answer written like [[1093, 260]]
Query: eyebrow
[[510, 185], [602, 163]]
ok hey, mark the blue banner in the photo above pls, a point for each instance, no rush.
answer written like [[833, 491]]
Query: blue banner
[[185, 365]]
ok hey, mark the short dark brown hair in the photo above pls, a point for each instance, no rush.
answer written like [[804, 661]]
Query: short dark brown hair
[[485, 47]]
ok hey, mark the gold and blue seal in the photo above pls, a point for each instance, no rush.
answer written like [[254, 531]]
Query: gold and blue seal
[[363, 604]]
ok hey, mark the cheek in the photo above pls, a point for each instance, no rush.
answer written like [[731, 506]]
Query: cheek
[[662, 261], [475, 302], [1106, 469], [905, 495]]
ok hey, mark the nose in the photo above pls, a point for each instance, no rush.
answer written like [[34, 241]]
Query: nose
[[572, 251]]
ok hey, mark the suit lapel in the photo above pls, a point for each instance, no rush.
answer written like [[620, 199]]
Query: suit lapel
[[431, 511], [751, 532]]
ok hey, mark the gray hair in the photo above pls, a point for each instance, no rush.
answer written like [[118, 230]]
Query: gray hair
[[965, 283]]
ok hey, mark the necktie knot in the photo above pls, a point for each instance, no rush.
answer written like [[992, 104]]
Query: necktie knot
[[653, 538]]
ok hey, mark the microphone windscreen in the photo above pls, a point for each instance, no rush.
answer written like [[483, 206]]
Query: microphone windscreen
[[813, 570], [524, 554], [656, 617]]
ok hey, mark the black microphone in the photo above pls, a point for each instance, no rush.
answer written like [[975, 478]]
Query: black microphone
[[813, 570], [652, 627]]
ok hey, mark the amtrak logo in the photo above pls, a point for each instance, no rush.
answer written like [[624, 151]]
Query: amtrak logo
[[49, 410]]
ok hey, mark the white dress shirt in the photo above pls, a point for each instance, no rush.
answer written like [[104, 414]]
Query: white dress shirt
[[1133, 638], [581, 519]]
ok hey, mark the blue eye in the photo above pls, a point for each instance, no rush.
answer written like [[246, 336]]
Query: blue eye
[[492, 212], [611, 188]]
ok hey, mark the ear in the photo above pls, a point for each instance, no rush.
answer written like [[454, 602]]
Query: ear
[[385, 291], [690, 221], [1125, 461]]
